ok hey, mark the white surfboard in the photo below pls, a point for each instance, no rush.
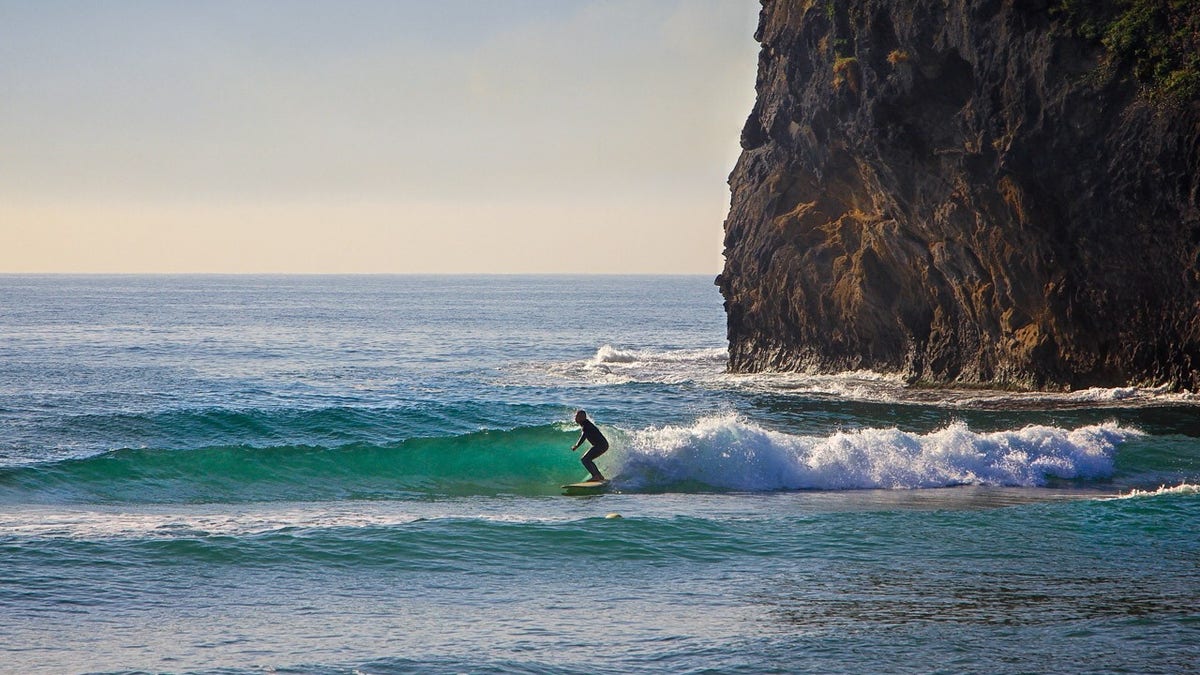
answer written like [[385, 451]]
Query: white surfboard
[[585, 488]]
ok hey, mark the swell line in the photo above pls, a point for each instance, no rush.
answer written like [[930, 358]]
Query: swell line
[[529, 460], [723, 453]]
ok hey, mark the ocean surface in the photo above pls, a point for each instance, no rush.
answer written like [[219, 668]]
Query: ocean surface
[[249, 474]]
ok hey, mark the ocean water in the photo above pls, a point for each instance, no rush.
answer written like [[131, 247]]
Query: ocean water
[[361, 475]]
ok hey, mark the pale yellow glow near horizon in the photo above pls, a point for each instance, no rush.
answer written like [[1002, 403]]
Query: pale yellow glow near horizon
[[364, 239], [589, 136]]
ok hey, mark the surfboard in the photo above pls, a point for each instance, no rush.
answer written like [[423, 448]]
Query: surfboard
[[587, 487]]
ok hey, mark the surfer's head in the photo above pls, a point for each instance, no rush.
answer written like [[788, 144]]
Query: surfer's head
[[580, 416]]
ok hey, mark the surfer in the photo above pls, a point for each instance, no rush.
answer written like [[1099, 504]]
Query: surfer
[[599, 444]]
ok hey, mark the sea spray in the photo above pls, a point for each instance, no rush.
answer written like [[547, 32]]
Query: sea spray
[[1184, 489], [728, 453]]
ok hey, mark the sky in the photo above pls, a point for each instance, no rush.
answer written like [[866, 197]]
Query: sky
[[296, 136]]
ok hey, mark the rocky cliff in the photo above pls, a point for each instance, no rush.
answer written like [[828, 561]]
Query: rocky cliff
[[970, 192]]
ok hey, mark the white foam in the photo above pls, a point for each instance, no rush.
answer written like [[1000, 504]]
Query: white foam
[[1123, 396], [1181, 489], [610, 354], [707, 366], [612, 365], [189, 522], [728, 453], [855, 385], [1106, 395]]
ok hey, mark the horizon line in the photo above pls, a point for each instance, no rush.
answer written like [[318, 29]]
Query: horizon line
[[357, 274]]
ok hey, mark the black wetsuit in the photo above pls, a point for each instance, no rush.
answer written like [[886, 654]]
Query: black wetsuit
[[599, 446], [592, 435]]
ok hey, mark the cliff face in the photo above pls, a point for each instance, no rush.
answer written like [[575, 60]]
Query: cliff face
[[963, 191]]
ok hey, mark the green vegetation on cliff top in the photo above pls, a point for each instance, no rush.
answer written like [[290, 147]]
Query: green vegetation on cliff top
[[1158, 40]]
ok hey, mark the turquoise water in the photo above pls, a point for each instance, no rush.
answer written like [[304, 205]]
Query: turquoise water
[[361, 474]]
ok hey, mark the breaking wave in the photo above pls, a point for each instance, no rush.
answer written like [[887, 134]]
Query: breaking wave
[[611, 365], [727, 453], [1162, 491], [713, 453]]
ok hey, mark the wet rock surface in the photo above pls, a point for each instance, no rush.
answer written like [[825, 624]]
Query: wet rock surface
[[964, 192]]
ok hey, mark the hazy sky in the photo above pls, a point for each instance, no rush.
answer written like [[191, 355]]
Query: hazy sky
[[406, 137]]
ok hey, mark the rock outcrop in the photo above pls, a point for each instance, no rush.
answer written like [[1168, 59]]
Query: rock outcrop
[[966, 192]]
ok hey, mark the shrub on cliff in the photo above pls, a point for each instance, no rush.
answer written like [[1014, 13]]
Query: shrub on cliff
[[1157, 40]]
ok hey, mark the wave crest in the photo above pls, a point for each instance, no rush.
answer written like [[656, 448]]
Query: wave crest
[[1162, 491], [613, 365], [527, 460], [610, 354], [731, 454]]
